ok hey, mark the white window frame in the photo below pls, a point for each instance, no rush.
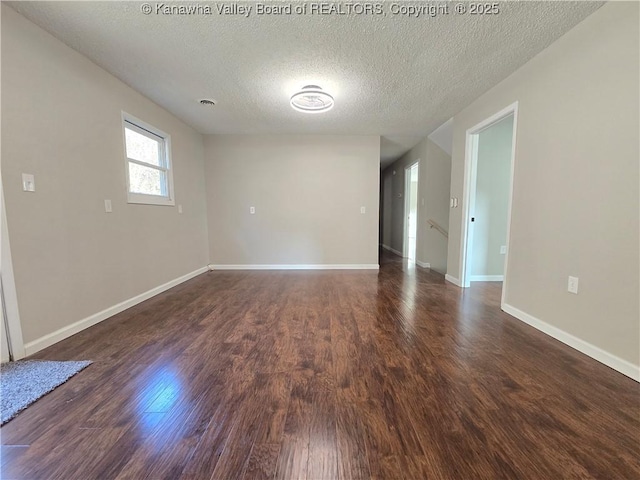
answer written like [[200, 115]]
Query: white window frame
[[137, 125]]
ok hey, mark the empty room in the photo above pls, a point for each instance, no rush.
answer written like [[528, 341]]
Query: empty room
[[320, 240]]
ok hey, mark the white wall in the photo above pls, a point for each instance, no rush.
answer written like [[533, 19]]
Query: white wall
[[435, 187], [307, 191], [433, 202], [386, 192], [61, 121], [492, 199], [575, 203], [398, 201]]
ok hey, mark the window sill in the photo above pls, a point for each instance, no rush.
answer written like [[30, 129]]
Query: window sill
[[141, 199]]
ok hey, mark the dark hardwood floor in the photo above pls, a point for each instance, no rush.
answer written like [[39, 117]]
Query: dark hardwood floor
[[326, 375]]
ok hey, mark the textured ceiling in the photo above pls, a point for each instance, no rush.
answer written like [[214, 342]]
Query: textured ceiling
[[391, 75]]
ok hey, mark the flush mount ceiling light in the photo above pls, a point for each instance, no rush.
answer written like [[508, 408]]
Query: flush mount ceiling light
[[312, 99]]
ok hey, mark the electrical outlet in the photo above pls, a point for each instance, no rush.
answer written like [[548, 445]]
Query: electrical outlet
[[503, 250], [28, 182], [572, 286]]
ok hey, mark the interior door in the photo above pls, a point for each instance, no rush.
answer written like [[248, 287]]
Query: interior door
[[4, 345]]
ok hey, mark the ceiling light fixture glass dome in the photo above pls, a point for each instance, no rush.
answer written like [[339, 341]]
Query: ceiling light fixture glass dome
[[312, 99]]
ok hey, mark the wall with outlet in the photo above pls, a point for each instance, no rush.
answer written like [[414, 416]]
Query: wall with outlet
[[575, 203], [433, 203], [491, 201], [78, 247], [314, 200]]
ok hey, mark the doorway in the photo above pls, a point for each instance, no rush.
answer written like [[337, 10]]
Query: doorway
[[410, 212], [5, 349], [490, 156], [11, 343]]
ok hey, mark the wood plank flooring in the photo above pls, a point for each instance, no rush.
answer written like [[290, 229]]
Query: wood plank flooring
[[326, 375]]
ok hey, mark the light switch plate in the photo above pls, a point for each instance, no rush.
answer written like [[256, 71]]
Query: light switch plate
[[363, 210], [252, 210], [107, 206], [572, 286], [179, 208], [28, 182], [503, 250]]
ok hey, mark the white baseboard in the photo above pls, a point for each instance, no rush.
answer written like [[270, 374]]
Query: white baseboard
[[452, 279], [339, 266], [602, 356], [487, 278], [392, 250], [65, 332], [423, 264]]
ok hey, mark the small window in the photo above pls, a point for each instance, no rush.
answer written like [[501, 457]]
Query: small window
[[149, 175]]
